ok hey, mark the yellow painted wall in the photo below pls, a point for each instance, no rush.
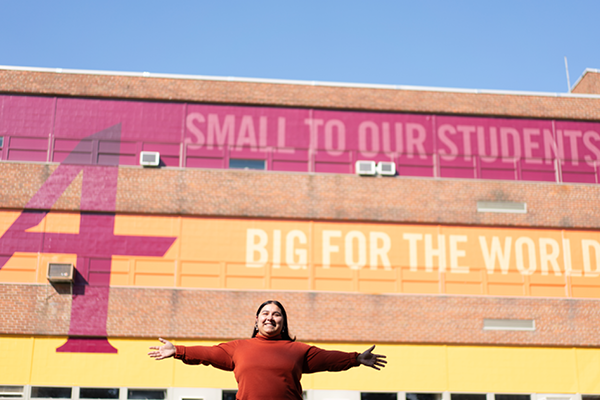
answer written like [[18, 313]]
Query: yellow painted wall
[[34, 361]]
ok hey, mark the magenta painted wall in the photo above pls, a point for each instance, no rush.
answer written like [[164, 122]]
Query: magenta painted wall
[[307, 140]]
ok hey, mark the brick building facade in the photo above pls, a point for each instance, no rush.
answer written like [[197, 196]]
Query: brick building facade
[[410, 262]]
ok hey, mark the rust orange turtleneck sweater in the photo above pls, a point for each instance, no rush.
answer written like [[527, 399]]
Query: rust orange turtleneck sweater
[[267, 368]]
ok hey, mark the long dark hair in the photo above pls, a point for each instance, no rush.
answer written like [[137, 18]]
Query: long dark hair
[[285, 332]]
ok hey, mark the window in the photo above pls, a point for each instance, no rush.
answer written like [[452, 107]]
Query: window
[[237, 163], [1, 141], [100, 393], [513, 397], [378, 396], [147, 394], [229, 394], [51, 392], [467, 396], [11, 392], [423, 396]]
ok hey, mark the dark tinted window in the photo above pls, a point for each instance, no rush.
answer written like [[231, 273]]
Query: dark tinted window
[[151, 394], [246, 164], [378, 396], [513, 397], [467, 396], [229, 394], [423, 396], [101, 393], [51, 392]]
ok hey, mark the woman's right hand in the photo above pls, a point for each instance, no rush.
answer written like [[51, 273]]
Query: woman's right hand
[[161, 352]]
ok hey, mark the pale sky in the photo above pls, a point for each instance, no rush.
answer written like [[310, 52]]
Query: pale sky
[[494, 45]]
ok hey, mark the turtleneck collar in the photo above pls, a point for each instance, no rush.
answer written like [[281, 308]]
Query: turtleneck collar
[[261, 337]]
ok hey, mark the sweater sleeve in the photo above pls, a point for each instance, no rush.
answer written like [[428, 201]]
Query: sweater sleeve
[[317, 360], [220, 356]]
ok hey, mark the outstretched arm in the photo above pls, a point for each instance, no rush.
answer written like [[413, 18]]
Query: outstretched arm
[[217, 356], [161, 352], [318, 360], [372, 360]]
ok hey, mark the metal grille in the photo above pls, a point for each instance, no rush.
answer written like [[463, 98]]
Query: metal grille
[[56, 270], [502, 207], [149, 158]]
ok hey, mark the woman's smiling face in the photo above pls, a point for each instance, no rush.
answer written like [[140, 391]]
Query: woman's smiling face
[[269, 321]]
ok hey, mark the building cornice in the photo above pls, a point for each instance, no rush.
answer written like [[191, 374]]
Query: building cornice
[[302, 94]]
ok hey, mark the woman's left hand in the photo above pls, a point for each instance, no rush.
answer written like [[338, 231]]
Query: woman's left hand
[[372, 360]]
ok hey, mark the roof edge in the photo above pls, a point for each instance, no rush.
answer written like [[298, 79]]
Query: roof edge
[[592, 70], [302, 82]]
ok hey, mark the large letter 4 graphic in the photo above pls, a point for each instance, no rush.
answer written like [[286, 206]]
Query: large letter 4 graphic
[[94, 245]]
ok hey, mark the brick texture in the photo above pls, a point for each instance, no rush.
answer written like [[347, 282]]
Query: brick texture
[[294, 95], [589, 83], [319, 317], [34, 310], [257, 194]]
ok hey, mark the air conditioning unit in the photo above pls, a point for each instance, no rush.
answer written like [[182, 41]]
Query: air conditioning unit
[[149, 158], [60, 272], [386, 168], [365, 168]]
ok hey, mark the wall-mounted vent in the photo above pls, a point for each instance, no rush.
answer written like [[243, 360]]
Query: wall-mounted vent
[[60, 272], [386, 168], [502, 207], [365, 168], [149, 158], [509, 325]]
